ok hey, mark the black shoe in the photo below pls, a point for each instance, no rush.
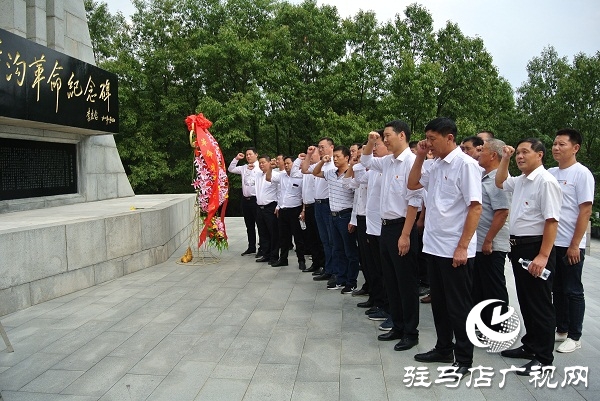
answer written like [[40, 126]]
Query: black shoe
[[302, 265], [318, 272], [372, 310], [434, 356], [312, 268], [322, 277], [278, 263], [366, 304], [259, 254], [360, 292], [531, 366], [248, 252], [390, 335], [518, 353], [405, 343], [461, 370], [263, 259], [348, 289]]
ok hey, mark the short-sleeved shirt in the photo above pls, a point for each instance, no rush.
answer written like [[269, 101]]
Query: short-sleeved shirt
[[493, 199], [340, 198], [266, 191], [536, 198], [395, 196], [248, 176], [321, 186], [577, 185], [308, 183], [452, 184], [290, 190]]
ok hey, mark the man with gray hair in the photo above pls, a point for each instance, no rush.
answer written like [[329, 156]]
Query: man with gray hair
[[492, 234]]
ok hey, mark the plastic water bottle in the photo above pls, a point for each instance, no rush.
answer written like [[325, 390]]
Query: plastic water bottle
[[302, 224], [526, 262]]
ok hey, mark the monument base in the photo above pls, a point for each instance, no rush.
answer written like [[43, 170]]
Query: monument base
[[51, 252]]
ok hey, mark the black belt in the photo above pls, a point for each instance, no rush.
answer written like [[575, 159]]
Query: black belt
[[387, 222], [274, 203], [348, 210], [290, 208], [532, 239], [360, 217], [249, 197], [322, 200], [307, 205]]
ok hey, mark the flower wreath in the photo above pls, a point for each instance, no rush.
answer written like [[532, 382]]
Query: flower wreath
[[211, 183]]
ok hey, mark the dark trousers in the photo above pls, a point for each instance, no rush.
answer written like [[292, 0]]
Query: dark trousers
[[269, 231], [401, 280], [489, 283], [249, 211], [535, 300], [422, 262], [451, 303], [325, 227], [363, 252], [312, 241], [377, 292], [290, 225], [345, 251], [569, 301]]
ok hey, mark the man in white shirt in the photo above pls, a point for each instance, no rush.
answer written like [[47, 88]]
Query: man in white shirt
[[492, 235], [398, 242], [322, 209], [289, 209], [453, 203], [249, 208], [266, 200], [312, 242], [577, 185], [534, 215]]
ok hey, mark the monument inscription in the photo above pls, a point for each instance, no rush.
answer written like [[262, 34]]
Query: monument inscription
[[32, 168]]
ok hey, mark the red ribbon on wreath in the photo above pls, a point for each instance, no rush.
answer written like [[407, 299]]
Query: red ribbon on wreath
[[207, 146]]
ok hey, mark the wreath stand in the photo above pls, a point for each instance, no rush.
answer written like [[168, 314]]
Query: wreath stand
[[202, 255], [9, 347]]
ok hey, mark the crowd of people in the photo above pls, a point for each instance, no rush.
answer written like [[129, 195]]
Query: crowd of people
[[434, 219]]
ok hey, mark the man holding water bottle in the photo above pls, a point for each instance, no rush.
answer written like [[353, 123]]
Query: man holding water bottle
[[534, 215]]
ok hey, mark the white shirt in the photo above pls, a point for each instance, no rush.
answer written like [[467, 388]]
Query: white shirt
[[360, 192], [536, 198], [373, 201], [248, 176], [321, 186], [340, 198], [266, 191], [493, 199], [452, 184], [395, 196], [290, 190], [308, 183], [577, 185]]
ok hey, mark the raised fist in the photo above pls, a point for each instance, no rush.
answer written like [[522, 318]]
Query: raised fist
[[373, 136], [326, 158], [507, 151], [239, 156], [311, 150]]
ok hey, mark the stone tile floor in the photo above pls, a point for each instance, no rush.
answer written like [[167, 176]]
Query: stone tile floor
[[240, 330]]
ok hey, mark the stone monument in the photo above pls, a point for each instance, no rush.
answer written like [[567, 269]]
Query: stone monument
[[69, 218]]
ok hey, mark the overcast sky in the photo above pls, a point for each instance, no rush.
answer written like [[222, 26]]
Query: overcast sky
[[513, 31]]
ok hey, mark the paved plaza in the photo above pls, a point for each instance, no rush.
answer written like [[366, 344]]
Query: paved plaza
[[240, 330]]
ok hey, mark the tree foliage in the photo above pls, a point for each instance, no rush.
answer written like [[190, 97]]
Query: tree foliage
[[278, 76]]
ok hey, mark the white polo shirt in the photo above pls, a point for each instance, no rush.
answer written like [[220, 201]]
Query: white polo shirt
[[248, 176], [452, 183], [360, 191], [577, 185], [395, 196], [536, 198]]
